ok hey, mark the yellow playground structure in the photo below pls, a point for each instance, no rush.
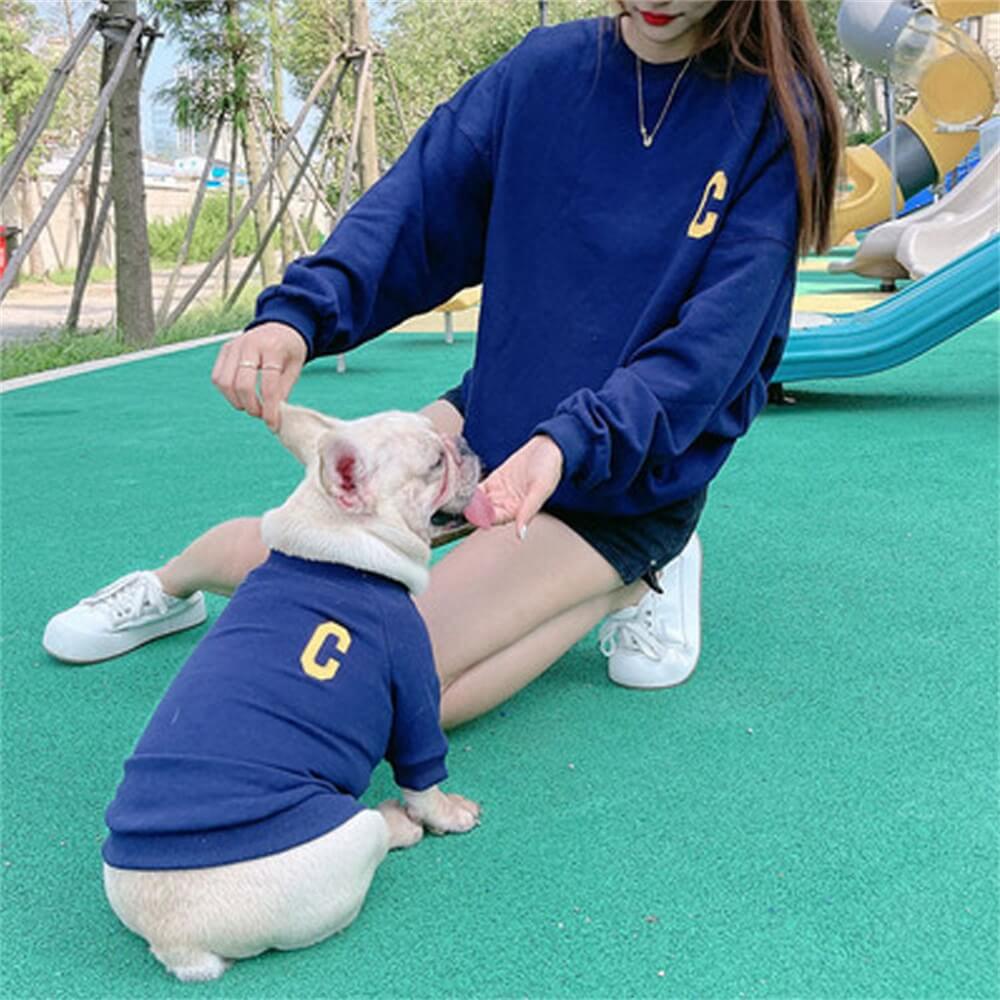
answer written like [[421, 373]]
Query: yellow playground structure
[[956, 83]]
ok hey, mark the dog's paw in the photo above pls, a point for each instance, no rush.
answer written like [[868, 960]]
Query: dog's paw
[[403, 831], [446, 813]]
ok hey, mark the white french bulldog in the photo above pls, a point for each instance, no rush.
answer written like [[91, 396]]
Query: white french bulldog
[[237, 826]]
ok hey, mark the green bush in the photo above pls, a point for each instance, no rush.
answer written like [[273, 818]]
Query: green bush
[[165, 238]]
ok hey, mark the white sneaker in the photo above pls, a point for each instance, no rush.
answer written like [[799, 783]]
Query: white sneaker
[[657, 642], [125, 614]]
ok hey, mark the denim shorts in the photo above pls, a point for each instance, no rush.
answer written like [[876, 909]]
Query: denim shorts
[[641, 544], [636, 546]]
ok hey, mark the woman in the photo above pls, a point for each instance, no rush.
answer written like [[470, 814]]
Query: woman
[[633, 195]]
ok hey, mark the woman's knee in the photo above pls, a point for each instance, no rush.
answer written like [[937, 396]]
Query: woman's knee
[[493, 590]]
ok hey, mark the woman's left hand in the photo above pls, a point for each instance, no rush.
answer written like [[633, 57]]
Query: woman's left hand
[[519, 488]]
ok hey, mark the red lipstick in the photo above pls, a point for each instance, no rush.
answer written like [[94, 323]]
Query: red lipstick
[[656, 20]]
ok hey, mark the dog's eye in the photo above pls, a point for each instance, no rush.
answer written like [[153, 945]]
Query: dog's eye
[[439, 463]]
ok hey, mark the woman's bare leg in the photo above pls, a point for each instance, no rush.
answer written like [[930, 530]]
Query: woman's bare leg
[[444, 416], [500, 611], [216, 561], [489, 683]]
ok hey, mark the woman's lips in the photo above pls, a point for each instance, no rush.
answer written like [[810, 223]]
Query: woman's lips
[[656, 20]]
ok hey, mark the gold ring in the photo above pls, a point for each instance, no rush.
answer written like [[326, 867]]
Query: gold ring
[[249, 364]]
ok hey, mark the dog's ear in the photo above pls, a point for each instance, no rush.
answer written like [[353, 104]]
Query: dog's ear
[[344, 474], [300, 429]]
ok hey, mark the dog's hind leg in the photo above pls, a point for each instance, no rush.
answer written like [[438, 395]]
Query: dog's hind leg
[[403, 832], [191, 964]]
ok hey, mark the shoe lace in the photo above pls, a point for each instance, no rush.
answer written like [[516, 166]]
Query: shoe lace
[[127, 597], [633, 629]]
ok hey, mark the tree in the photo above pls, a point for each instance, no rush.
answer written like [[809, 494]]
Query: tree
[[431, 47], [276, 38], [22, 73], [133, 277], [856, 86], [223, 46], [318, 28], [361, 37], [22, 81]]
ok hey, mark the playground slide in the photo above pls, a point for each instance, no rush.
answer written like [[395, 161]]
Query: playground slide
[[903, 327], [955, 81], [923, 241]]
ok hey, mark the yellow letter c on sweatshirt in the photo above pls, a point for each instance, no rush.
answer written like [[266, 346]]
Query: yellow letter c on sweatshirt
[[704, 222], [328, 630]]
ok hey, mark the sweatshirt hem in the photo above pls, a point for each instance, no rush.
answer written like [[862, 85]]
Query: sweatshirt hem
[[152, 851]]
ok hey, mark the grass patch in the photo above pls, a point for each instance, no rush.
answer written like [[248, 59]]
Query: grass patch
[[65, 276], [62, 347]]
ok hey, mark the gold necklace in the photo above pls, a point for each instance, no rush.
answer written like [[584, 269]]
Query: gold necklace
[[648, 137]]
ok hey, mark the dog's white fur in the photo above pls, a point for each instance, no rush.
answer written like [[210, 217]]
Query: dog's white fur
[[366, 500]]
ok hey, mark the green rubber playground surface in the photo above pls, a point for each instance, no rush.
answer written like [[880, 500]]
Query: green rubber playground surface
[[814, 815]]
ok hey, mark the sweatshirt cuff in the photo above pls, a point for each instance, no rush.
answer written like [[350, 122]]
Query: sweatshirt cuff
[[572, 440], [420, 775], [291, 315]]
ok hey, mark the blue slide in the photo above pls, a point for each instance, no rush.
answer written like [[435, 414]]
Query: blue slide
[[903, 327]]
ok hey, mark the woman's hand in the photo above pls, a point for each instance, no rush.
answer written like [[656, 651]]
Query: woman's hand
[[519, 488], [273, 351]]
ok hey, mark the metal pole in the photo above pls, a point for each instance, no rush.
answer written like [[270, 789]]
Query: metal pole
[[543, 12], [890, 113]]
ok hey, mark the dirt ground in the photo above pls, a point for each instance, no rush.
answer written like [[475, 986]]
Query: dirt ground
[[34, 307]]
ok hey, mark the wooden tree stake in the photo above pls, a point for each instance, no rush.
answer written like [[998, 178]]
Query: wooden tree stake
[[248, 205], [104, 100]]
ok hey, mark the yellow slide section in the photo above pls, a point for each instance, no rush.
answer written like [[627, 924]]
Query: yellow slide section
[[869, 197], [955, 88]]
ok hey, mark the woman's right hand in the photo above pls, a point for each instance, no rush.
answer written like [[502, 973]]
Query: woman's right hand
[[273, 351]]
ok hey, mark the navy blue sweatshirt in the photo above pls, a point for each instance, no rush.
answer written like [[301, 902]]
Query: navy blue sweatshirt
[[635, 301], [269, 734]]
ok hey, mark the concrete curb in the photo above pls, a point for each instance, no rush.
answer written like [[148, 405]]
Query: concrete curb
[[9, 385]]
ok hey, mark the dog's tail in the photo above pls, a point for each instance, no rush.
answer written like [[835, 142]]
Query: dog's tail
[[191, 964]]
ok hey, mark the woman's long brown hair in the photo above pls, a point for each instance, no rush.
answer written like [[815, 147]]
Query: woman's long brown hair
[[775, 38]]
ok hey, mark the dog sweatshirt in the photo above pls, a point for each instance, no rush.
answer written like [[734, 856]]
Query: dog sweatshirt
[[636, 300], [269, 734]]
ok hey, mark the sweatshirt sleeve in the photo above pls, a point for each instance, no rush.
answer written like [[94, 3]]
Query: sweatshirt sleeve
[[707, 372], [410, 242]]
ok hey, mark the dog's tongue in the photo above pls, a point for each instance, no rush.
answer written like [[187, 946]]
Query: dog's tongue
[[479, 510]]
